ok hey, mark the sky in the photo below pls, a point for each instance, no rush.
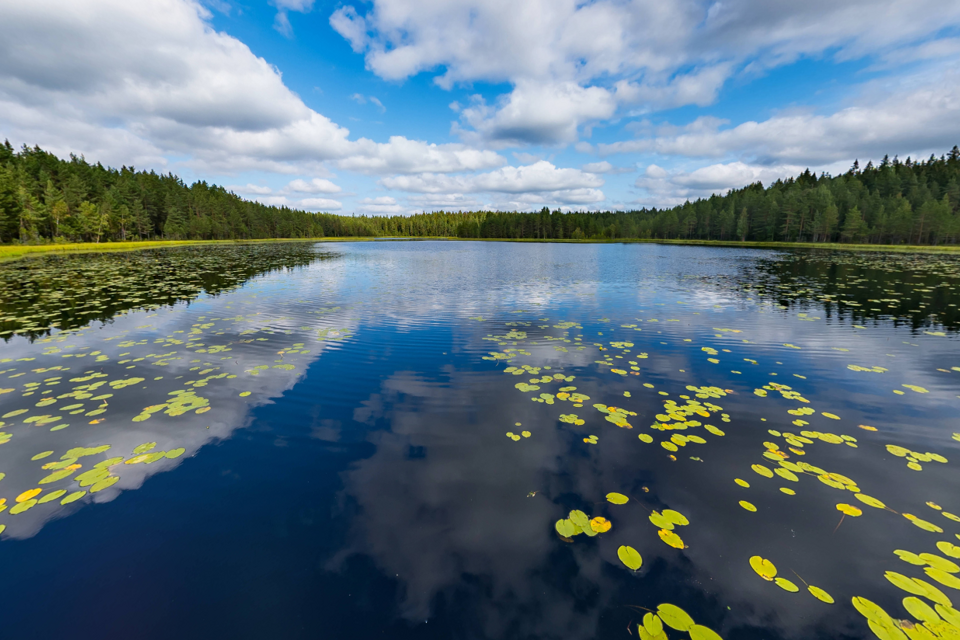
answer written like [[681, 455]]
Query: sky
[[385, 107]]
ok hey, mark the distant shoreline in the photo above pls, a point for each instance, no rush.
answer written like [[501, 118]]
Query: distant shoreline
[[15, 252]]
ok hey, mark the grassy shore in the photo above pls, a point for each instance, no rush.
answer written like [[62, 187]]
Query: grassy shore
[[16, 251]]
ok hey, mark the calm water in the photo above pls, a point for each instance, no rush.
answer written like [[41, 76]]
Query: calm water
[[387, 439]]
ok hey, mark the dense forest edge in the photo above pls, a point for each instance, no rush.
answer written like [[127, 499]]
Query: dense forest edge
[[44, 199]]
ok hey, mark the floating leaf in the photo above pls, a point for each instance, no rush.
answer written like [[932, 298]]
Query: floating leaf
[[764, 568], [903, 582], [870, 610], [849, 510], [565, 528], [629, 557], [660, 521], [600, 524], [143, 448], [675, 517], [76, 495], [175, 453], [919, 609], [700, 632], [617, 498], [944, 578], [869, 501], [762, 470], [748, 506], [820, 594], [57, 475], [652, 624], [671, 538], [20, 507], [103, 484], [931, 592], [949, 614], [109, 462], [675, 617], [923, 524], [786, 585], [910, 557], [937, 562], [580, 519], [53, 495], [26, 495], [742, 483]]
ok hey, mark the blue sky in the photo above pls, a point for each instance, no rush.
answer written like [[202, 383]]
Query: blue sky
[[400, 106]]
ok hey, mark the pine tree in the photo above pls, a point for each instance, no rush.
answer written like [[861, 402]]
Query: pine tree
[[852, 225], [743, 225]]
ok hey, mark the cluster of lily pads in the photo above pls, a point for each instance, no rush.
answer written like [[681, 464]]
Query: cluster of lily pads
[[77, 377], [685, 416]]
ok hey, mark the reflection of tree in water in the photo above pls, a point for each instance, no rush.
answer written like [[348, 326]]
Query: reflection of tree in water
[[915, 289], [70, 291]]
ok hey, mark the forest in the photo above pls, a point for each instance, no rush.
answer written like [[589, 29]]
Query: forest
[[44, 198]]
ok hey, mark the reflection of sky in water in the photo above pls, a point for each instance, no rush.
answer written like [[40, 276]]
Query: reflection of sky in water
[[373, 492]]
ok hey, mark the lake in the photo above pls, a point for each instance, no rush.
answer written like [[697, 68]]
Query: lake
[[479, 440]]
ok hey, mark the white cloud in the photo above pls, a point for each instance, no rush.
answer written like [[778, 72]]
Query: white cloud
[[251, 189], [351, 26], [282, 22], [381, 206], [918, 115], [362, 99], [125, 82], [538, 114], [401, 155], [666, 188], [444, 201], [304, 204], [536, 178], [605, 167], [588, 59], [316, 185], [320, 204]]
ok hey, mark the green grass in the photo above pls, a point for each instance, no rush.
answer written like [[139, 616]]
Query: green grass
[[16, 251]]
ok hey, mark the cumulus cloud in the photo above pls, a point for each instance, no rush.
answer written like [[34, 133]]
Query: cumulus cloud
[[252, 189], [304, 204], [916, 117], [605, 167], [661, 187], [381, 205], [316, 185], [589, 59], [538, 114], [445, 201], [536, 178], [401, 155], [124, 82]]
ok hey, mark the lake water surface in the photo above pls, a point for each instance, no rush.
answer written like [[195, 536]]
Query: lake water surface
[[479, 440]]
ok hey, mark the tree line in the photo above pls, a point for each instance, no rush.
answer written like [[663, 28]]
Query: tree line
[[44, 198]]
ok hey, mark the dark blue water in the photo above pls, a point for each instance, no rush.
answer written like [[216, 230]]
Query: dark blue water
[[365, 487]]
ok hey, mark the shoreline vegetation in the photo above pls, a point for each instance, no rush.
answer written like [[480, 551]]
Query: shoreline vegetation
[[18, 251], [50, 204]]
